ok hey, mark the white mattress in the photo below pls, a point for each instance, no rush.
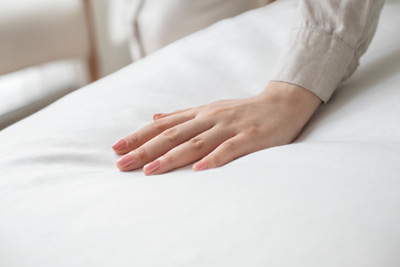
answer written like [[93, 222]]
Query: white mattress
[[330, 199]]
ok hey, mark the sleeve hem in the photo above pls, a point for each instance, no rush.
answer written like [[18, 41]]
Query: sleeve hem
[[314, 60]]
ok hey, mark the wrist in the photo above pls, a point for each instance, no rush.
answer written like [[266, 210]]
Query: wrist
[[295, 103], [294, 95]]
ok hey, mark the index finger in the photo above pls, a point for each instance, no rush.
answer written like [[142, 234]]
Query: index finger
[[150, 131]]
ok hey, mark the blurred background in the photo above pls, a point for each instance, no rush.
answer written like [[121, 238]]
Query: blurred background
[[50, 48]]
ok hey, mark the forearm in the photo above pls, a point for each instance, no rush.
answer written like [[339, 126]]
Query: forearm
[[326, 43]]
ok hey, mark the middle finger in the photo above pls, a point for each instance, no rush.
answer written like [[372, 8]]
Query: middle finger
[[162, 143]]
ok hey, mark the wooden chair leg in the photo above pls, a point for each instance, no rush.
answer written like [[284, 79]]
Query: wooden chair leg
[[92, 59]]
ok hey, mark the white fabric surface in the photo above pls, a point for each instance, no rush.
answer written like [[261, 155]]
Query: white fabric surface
[[330, 199]]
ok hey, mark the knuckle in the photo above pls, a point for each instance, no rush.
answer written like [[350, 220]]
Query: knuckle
[[132, 138], [215, 160], [253, 130], [171, 134], [142, 153], [230, 146], [197, 143], [159, 125], [168, 160], [216, 111], [227, 115]]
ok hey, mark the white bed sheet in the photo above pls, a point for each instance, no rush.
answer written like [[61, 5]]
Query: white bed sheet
[[330, 199]]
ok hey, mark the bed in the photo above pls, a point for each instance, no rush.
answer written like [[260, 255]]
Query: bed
[[332, 198]]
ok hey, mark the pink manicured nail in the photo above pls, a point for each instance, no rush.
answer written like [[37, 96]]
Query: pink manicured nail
[[121, 144], [157, 116], [151, 167], [125, 161], [199, 166]]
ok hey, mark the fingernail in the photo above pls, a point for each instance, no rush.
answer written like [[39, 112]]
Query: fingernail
[[157, 116], [151, 167], [125, 161], [121, 144], [199, 166]]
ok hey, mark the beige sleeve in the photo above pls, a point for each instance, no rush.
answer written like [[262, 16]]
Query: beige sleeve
[[327, 42]]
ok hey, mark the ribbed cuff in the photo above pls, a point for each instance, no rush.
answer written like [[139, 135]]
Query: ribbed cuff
[[314, 60]]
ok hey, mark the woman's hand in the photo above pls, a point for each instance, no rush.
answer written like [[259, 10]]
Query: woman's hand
[[218, 133]]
